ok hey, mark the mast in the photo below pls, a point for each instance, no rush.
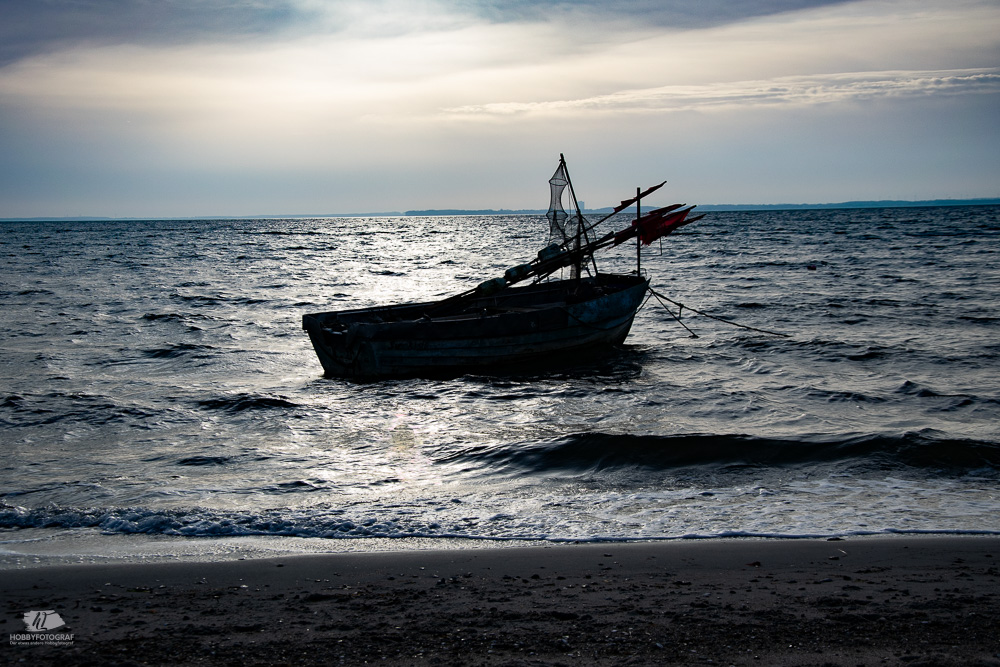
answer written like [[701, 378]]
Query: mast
[[638, 244], [580, 232]]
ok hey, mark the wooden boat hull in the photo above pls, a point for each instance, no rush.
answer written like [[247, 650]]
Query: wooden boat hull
[[518, 327]]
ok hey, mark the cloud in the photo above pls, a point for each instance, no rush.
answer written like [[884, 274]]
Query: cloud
[[505, 69], [677, 14], [44, 26], [787, 90]]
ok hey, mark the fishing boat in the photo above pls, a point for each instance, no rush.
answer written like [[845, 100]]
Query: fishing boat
[[501, 324]]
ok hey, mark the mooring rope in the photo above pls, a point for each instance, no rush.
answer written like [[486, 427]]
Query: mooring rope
[[661, 298], [676, 317]]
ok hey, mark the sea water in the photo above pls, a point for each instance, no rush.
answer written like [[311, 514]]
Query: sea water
[[159, 398]]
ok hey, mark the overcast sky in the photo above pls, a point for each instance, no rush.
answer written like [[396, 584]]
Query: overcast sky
[[159, 108]]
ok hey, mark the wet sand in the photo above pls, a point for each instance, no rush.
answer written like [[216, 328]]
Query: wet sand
[[875, 601]]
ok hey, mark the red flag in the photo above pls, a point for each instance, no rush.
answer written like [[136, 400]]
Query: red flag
[[649, 218], [657, 225]]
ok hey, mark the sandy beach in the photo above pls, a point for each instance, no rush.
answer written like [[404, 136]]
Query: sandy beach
[[874, 601]]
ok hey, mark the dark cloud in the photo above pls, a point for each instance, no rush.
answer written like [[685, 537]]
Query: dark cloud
[[665, 13], [36, 26], [28, 27]]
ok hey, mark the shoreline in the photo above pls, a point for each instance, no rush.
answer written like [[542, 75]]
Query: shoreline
[[915, 600], [59, 547]]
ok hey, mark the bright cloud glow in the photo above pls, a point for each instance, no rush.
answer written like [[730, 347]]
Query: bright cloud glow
[[788, 90]]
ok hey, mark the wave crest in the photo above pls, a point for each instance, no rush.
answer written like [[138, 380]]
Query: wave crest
[[590, 452]]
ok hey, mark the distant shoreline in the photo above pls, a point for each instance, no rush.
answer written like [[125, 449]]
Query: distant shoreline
[[707, 208], [885, 203]]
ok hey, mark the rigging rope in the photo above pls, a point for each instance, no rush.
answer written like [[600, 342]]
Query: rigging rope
[[681, 307]]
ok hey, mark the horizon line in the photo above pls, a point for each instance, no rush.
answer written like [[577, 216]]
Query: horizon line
[[855, 204]]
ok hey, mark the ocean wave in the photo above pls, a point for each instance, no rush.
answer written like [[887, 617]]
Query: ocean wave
[[204, 460], [242, 402], [281, 232], [948, 402], [180, 350], [54, 407], [591, 452], [334, 523], [202, 522], [175, 317], [986, 320], [200, 299], [833, 396]]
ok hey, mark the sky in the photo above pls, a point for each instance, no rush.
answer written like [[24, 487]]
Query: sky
[[189, 108]]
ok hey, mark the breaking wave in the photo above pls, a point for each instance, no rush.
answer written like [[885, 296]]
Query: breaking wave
[[202, 522], [335, 523], [589, 452]]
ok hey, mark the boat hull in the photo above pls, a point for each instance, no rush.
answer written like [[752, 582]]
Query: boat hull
[[519, 327]]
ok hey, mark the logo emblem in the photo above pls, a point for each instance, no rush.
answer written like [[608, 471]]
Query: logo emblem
[[42, 621]]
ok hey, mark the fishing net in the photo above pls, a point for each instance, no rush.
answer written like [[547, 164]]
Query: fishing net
[[557, 215]]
